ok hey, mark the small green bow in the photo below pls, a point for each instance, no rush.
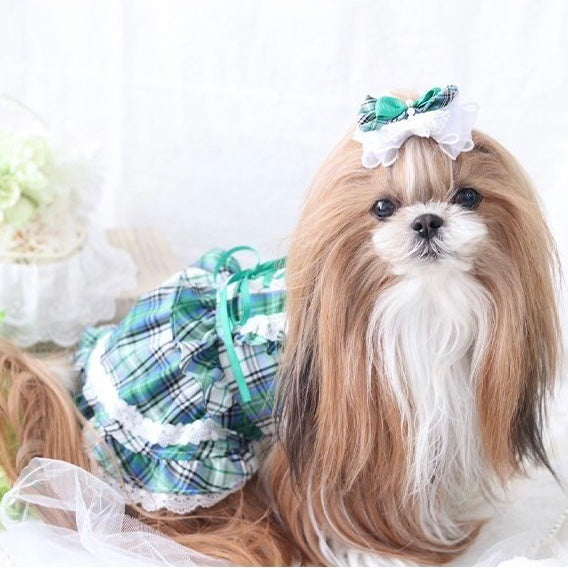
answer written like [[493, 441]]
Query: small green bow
[[375, 113]]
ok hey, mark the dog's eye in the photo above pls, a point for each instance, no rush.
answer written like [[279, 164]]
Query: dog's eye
[[383, 208], [467, 197]]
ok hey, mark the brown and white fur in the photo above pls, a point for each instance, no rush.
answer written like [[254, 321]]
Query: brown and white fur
[[412, 386]]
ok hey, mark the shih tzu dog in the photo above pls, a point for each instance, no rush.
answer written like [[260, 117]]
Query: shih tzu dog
[[422, 340]]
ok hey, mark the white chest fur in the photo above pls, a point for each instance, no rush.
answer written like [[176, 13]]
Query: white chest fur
[[429, 330]]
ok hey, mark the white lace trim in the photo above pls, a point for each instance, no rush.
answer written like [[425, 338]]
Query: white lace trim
[[55, 301], [99, 387], [267, 326], [179, 504], [450, 127]]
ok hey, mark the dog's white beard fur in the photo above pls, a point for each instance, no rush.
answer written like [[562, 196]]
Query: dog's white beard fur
[[429, 331]]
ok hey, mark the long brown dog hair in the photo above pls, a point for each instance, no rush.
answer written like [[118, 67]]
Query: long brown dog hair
[[341, 468]]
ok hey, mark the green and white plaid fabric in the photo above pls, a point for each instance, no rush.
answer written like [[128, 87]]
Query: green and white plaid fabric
[[162, 389]]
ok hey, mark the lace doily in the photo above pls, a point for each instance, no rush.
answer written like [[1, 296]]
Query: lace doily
[[54, 302]]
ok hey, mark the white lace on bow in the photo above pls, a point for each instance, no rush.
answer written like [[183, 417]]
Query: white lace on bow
[[450, 127]]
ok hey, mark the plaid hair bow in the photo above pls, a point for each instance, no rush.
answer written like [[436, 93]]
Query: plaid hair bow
[[376, 113]]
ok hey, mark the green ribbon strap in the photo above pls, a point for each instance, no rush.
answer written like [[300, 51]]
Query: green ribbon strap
[[241, 292]]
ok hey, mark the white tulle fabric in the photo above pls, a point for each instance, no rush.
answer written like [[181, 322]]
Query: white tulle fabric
[[84, 524], [450, 127], [55, 301]]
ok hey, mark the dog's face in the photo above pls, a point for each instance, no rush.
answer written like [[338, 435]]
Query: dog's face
[[427, 221], [423, 336]]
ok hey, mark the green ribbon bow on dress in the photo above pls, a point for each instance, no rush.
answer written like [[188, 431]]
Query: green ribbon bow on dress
[[225, 306], [375, 113]]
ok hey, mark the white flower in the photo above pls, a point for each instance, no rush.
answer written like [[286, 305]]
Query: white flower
[[47, 190], [20, 213], [10, 190], [33, 183], [24, 187]]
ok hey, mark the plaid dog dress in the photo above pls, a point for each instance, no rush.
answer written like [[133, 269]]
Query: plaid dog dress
[[181, 391]]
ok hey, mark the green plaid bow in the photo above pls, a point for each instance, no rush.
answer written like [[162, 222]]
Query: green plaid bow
[[375, 113]]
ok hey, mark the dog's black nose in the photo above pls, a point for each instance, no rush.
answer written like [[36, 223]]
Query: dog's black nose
[[427, 225]]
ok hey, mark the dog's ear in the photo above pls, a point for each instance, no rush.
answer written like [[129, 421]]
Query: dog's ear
[[337, 414], [326, 397], [519, 271], [298, 400]]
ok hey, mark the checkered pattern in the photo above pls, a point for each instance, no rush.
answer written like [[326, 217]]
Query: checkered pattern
[[167, 359], [368, 119]]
